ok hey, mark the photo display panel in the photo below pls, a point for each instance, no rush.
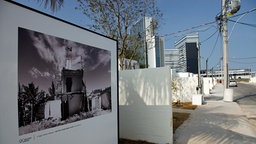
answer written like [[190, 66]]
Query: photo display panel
[[58, 80]]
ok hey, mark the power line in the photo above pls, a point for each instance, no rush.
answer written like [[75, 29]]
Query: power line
[[254, 9], [214, 46], [209, 37], [245, 58], [200, 30], [191, 28], [241, 62], [251, 25], [217, 64], [244, 14]]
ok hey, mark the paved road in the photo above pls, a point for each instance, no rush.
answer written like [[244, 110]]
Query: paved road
[[243, 90], [244, 95], [219, 122], [216, 94], [246, 98]]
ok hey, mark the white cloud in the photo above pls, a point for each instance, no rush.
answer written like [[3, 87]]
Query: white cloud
[[49, 49], [52, 50], [102, 58], [35, 73]]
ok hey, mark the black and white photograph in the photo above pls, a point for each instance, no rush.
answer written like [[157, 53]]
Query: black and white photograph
[[60, 81]]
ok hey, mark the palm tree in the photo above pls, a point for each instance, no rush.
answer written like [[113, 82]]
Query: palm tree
[[53, 4], [34, 97], [21, 106]]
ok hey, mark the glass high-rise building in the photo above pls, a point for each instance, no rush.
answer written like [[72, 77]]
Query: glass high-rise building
[[171, 58], [188, 53], [152, 46]]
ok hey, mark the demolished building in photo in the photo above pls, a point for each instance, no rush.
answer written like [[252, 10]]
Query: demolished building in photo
[[71, 96]]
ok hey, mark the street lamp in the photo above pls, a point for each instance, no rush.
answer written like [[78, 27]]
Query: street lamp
[[234, 6]]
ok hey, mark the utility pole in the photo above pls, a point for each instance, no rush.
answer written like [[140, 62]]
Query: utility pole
[[199, 74], [145, 41], [212, 74], [225, 43], [221, 69], [146, 45], [234, 6], [206, 67]]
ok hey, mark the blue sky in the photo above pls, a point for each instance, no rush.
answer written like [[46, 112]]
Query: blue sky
[[183, 14]]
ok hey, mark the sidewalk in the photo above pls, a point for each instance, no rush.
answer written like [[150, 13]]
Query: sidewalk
[[216, 122], [216, 93]]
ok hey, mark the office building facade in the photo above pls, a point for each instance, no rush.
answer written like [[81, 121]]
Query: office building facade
[[188, 53], [152, 46], [171, 58]]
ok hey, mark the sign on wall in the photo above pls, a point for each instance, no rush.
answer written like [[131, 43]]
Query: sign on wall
[[58, 81]]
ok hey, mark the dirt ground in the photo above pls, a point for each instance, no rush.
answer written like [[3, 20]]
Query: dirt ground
[[178, 119], [126, 141], [184, 105]]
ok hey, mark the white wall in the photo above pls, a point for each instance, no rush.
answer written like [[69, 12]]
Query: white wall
[[145, 112], [253, 80], [207, 85], [52, 109], [184, 74], [184, 88]]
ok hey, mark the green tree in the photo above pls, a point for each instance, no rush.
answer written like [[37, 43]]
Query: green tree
[[115, 18], [34, 97]]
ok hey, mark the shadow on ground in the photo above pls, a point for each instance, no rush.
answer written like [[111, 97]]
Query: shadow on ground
[[213, 126]]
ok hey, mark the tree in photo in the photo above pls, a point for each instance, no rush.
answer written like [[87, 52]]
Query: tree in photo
[[21, 106], [34, 99]]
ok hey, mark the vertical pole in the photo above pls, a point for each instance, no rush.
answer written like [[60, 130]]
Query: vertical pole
[[146, 54], [146, 44], [212, 74], [221, 70], [225, 43], [206, 67], [198, 61]]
